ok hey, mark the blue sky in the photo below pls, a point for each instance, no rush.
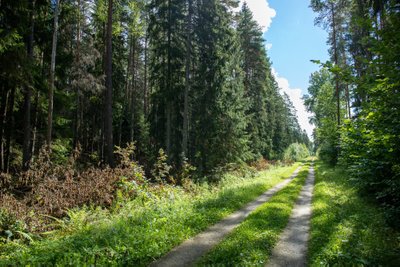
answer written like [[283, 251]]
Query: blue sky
[[292, 41], [295, 40]]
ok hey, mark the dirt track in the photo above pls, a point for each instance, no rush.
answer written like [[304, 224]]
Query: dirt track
[[191, 250]]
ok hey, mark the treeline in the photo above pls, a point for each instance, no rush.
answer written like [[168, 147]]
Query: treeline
[[355, 97], [191, 77]]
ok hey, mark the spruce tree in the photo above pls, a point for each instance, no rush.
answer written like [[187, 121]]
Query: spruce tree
[[219, 111], [167, 72], [255, 67]]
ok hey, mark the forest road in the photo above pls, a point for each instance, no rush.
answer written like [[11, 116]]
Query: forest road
[[291, 249], [191, 250]]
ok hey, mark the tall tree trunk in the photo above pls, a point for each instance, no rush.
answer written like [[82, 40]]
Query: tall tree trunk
[[3, 117], [128, 94], [335, 52], [109, 90], [26, 148], [52, 74], [168, 128], [128, 71], [35, 122], [103, 119], [185, 136], [347, 89], [9, 128], [133, 91], [145, 87], [168, 102], [77, 130], [37, 109]]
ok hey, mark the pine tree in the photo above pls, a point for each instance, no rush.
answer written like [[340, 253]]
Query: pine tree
[[52, 73], [108, 113], [26, 150]]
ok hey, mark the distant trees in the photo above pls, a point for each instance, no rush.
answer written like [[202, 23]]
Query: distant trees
[[191, 77], [321, 101]]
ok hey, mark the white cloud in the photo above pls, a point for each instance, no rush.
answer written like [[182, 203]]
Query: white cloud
[[295, 96], [268, 46], [262, 12]]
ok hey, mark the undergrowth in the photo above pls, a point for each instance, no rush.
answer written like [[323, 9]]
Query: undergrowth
[[347, 229], [143, 222], [49, 189]]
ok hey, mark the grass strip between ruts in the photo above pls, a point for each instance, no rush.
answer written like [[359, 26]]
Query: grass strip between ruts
[[140, 232], [252, 242], [347, 229]]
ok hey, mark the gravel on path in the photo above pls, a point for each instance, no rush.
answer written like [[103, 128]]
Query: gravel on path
[[291, 249], [192, 249]]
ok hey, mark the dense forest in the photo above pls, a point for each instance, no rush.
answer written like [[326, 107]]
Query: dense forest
[[189, 77], [95, 93], [355, 96]]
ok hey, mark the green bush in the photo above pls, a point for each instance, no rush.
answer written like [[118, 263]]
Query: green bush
[[11, 228], [328, 152], [296, 152]]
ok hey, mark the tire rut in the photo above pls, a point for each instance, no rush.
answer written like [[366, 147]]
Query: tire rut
[[291, 249], [193, 249]]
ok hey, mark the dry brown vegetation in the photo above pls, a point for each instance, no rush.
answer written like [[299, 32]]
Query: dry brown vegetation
[[49, 189]]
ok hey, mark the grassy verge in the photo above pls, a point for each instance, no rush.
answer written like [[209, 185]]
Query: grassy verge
[[136, 232], [252, 242], [345, 228]]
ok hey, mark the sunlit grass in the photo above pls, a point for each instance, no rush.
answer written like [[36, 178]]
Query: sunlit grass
[[345, 228]]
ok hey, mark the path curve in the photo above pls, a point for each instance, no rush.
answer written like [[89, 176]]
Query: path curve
[[191, 250], [291, 249]]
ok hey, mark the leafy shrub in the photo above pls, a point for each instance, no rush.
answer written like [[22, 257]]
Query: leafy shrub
[[186, 171], [296, 152], [372, 155], [161, 168], [261, 164], [11, 228], [328, 152], [52, 189], [60, 150]]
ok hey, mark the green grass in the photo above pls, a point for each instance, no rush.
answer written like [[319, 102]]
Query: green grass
[[252, 242], [345, 228], [143, 229]]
